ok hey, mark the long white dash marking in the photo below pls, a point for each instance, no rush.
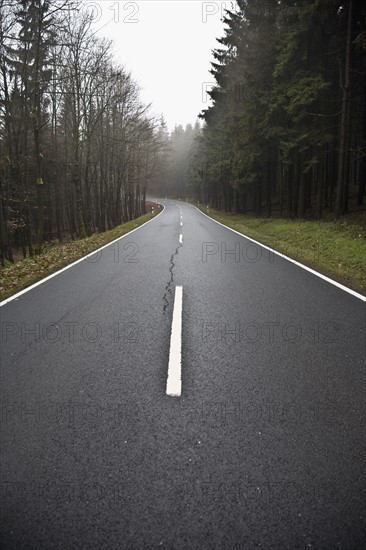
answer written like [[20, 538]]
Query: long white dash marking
[[174, 380], [180, 239], [181, 224]]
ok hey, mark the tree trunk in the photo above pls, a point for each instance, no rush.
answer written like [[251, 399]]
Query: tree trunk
[[340, 206], [37, 125], [302, 196], [269, 189], [258, 197], [290, 173], [6, 252], [362, 168], [319, 181]]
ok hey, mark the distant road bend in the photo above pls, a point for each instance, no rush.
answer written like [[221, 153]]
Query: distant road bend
[[183, 388]]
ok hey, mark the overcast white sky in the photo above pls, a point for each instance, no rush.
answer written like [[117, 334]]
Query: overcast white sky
[[167, 45]]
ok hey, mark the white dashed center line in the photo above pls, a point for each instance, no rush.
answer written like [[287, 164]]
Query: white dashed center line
[[174, 381], [180, 239]]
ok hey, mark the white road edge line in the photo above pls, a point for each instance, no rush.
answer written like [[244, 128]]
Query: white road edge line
[[320, 275], [18, 294], [180, 239], [174, 380]]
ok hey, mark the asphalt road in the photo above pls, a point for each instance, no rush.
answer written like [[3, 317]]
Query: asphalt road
[[265, 448]]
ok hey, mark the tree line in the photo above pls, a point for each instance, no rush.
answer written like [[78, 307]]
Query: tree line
[[178, 154], [77, 146], [286, 131]]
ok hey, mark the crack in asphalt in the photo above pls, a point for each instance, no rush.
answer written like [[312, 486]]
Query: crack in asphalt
[[168, 288]]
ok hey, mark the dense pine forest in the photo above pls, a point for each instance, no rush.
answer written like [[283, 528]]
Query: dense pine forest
[[77, 146], [286, 132]]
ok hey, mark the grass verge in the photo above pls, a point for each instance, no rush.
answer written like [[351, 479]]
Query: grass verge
[[335, 249], [55, 256]]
